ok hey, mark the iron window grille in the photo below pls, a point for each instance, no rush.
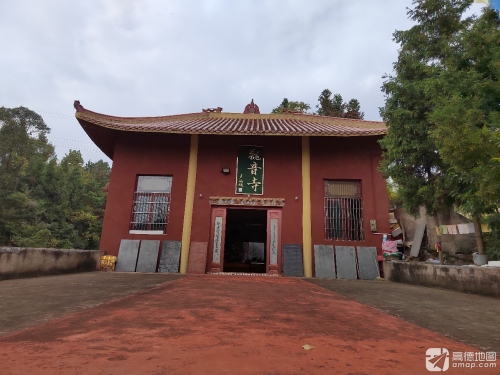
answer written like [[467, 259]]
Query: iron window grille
[[343, 210], [151, 204]]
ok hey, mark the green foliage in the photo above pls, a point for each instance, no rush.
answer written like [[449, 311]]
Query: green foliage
[[442, 112], [412, 156], [492, 239], [466, 114], [328, 106], [291, 107], [394, 198], [336, 107], [353, 110], [44, 203]]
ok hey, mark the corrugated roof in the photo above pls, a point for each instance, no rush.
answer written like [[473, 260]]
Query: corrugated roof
[[290, 124]]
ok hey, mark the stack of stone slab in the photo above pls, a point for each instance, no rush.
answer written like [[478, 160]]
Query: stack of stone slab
[[142, 256], [346, 262]]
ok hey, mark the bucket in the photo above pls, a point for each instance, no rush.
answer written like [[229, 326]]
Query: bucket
[[479, 259]]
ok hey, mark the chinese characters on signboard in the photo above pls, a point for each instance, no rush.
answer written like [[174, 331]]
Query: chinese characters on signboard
[[250, 170]]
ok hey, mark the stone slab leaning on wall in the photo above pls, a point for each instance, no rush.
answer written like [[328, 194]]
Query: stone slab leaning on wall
[[18, 262]]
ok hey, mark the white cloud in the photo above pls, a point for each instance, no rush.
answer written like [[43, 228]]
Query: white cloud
[[150, 58]]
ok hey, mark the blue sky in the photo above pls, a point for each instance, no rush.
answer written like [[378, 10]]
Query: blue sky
[[153, 58]]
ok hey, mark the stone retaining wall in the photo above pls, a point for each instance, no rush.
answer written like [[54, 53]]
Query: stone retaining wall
[[471, 279], [18, 262]]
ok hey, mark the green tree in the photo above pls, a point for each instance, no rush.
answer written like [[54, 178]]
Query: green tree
[[412, 158], [78, 198], [325, 106], [353, 110], [23, 146], [89, 220], [467, 117], [44, 203], [291, 106], [336, 107]]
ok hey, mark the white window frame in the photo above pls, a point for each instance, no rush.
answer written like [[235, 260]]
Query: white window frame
[[151, 205], [343, 206]]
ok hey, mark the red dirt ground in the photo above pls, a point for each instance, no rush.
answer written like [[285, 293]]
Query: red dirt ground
[[226, 325]]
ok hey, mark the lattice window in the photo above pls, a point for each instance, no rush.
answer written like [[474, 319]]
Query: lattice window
[[343, 210], [151, 204]]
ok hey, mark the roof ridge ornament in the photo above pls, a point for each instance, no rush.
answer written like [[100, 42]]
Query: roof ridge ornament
[[286, 110], [252, 108], [208, 110], [78, 106]]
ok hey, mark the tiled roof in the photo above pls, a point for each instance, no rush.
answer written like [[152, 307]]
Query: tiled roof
[[291, 124]]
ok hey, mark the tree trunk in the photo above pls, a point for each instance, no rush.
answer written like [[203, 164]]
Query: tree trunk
[[438, 234], [476, 219]]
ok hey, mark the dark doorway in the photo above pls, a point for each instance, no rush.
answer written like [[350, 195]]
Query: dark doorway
[[245, 241]]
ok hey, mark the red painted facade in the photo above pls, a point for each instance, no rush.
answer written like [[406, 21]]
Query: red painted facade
[[335, 149], [355, 158], [345, 158], [282, 178], [144, 154]]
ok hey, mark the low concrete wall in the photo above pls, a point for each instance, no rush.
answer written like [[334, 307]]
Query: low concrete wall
[[18, 262], [471, 279]]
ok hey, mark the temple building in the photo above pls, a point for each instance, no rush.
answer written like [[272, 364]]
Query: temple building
[[237, 191]]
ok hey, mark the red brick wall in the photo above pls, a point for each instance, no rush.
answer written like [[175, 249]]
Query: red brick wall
[[353, 158], [160, 154], [282, 178], [144, 154]]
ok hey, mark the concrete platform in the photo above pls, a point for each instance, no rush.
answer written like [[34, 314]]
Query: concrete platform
[[469, 318], [31, 301], [112, 323]]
